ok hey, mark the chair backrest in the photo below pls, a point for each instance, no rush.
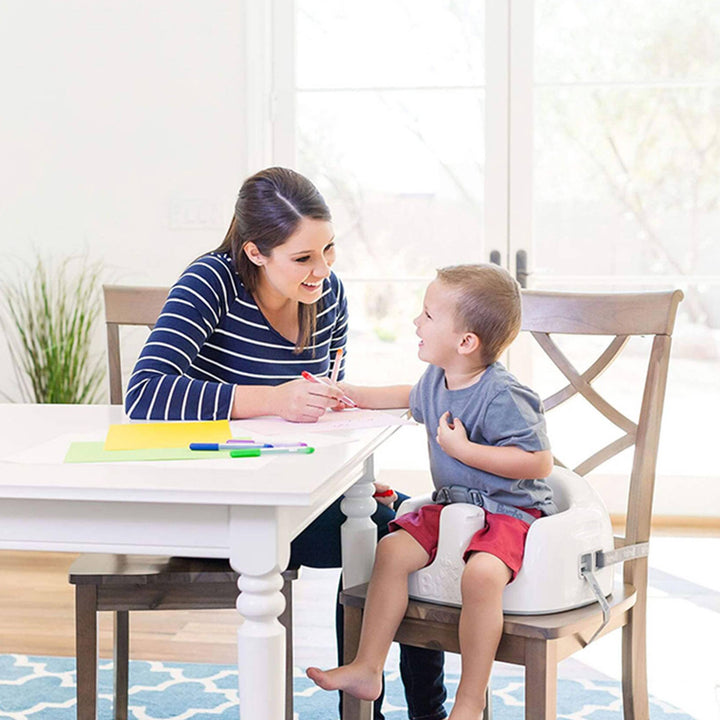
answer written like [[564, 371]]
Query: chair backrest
[[127, 305], [619, 315]]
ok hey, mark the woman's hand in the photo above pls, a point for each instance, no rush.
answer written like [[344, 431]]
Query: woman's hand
[[451, 435], [384, 494], [304, 401]]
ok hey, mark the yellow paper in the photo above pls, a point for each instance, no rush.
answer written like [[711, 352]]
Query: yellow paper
[[137, 436]]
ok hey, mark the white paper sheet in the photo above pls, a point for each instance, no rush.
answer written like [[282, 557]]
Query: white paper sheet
[[345, 420]]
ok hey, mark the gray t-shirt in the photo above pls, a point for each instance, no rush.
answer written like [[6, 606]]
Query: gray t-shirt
[[496, 410]]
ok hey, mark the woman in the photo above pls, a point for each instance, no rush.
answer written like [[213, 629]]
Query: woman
[[236, 331]]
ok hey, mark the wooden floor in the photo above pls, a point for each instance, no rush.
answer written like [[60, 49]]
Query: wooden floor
[[37, 618], [37, 615]]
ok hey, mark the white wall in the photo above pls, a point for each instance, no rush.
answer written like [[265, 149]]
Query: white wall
[[121, 133]]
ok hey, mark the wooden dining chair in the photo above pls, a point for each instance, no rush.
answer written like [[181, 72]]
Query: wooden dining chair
[[539, 642], [124, 583]]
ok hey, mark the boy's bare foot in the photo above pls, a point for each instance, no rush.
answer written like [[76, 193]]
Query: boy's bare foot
[[357, 680]]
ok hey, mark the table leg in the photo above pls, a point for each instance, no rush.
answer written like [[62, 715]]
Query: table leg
[[260, 550], [358, 533], [261, 647]]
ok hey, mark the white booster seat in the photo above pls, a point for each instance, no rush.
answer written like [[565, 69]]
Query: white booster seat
[[550, 579]]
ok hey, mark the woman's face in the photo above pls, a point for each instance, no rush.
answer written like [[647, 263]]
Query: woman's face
[[296, 269]]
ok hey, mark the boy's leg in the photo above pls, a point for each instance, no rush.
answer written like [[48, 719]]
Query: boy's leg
[[481, 621], [398, 554]]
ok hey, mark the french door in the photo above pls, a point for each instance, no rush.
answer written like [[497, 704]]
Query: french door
[[626, 196], [576, 143]]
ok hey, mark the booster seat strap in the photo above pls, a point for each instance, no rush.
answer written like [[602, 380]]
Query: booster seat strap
[[590, 562], [629, 552], [589, 576], [449, 494]]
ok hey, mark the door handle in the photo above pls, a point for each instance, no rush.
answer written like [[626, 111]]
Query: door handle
[[521, 268], [521, 265]]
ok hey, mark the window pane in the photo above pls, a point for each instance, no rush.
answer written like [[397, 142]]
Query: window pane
[[398, 183], [390, 118], [650, 41], [627, 179], [389, 43]]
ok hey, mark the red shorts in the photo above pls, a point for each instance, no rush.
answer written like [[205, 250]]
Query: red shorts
[[502, 536]]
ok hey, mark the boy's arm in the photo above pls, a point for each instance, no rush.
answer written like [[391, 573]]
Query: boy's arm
[[378, 398], [506, 460]]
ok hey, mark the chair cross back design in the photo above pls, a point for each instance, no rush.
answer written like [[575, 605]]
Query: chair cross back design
[[121, 583], [582, 384], [539, 642]]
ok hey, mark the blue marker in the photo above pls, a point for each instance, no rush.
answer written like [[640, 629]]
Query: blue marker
[[222, 446]]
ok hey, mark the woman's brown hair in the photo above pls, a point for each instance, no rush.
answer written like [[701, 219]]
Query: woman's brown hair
[[269, 209]]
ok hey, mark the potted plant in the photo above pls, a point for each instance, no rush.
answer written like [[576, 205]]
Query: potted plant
[[49, 314]]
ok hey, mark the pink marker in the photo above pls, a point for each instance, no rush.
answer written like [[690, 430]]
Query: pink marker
[[344, 399], [336, 365]]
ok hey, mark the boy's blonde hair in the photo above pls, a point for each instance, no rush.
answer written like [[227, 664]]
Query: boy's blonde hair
[[488, 304]]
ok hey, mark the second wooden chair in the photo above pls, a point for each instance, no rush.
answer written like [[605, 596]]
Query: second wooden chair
[[124, 583]]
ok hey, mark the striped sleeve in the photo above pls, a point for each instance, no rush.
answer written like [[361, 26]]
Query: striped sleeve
[[160, 388]]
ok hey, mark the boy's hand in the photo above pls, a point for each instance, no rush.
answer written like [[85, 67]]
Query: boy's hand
[[347, 390], [371, 397], [451, 435]]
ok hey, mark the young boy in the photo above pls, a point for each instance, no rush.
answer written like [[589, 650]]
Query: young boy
[[485, 431]]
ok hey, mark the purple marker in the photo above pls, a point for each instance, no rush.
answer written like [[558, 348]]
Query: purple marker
[[252, 443]]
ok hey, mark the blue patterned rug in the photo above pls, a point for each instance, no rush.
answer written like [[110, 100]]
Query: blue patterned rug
[[43, 688]]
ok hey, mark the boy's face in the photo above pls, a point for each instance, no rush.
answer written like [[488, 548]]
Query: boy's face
[[439, 338]]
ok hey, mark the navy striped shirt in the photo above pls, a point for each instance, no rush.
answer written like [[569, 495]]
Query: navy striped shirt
[[211, 336]]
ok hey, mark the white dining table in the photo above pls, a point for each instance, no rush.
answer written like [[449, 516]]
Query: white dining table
[[245, 509]]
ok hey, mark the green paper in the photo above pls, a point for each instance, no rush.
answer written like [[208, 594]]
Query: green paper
[[89, 452]]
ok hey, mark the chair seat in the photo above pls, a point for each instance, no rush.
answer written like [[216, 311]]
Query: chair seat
[[108, 569], [436, 619], [159, 582]]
